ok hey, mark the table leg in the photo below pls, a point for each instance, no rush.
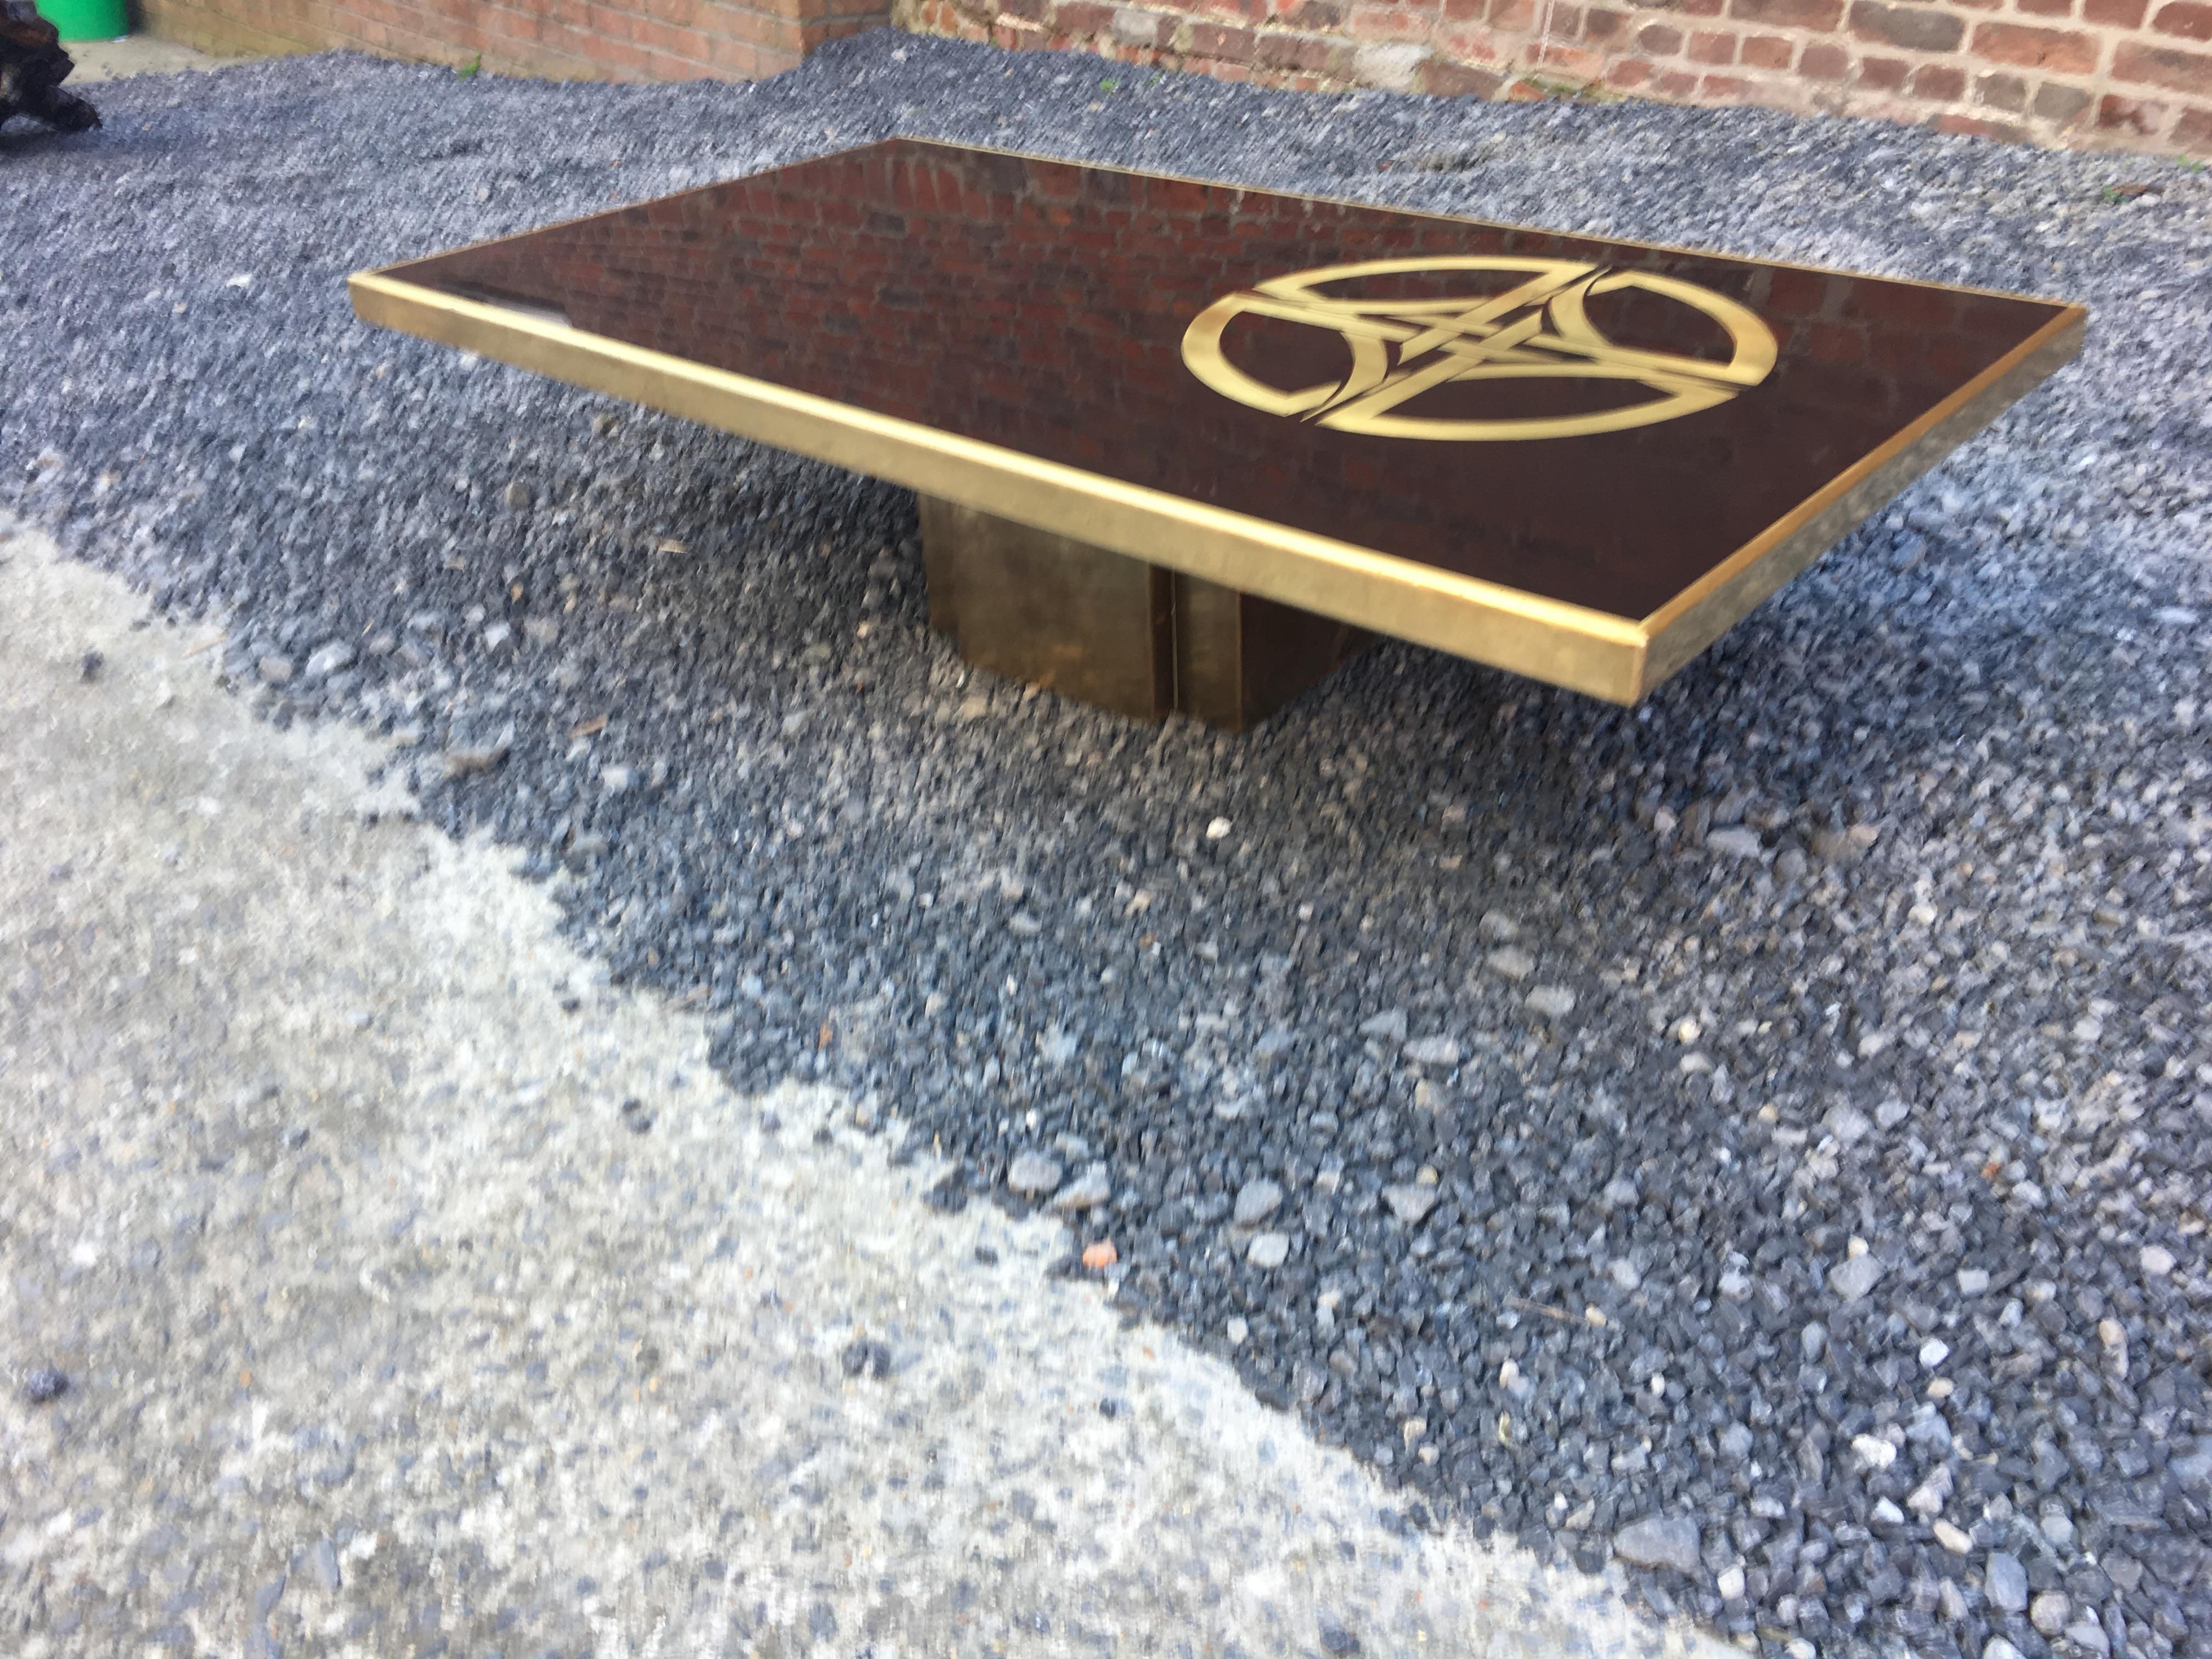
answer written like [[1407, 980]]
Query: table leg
[[1106, 628]]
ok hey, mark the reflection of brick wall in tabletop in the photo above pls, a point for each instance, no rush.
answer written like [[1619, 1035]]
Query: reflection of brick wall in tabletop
[[582, 39], [2119, 74]]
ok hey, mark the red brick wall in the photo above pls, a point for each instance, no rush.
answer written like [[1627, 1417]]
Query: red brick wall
[[579, 40], [2109, 73]]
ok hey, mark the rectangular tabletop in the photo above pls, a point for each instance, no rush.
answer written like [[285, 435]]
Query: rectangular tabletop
[[1575, 457]]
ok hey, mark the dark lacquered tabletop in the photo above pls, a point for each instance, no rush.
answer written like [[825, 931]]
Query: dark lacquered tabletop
[[1595, 421]]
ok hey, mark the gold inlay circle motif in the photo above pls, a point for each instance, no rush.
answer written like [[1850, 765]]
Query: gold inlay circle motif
[[1538, 329]]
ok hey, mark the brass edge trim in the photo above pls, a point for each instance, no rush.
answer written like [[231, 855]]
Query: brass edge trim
[[1566, 645], [1682, 628]]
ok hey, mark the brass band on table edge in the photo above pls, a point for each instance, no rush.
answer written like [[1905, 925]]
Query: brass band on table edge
[[1604, 656]]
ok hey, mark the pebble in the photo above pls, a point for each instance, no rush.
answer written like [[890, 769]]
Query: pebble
[[1735, 843], [866, 1358], [1032, 1174], [1086, 1192], [89, 665], [2157, 1260], [1952, 1539], [1438, 1051], [2088, 1635], [466, 760], [1874, 1451], [1928, 1498], [1411, 1204], [1496, 927], [1660, 1541], [1268, 1251], [275, 670], [1237, 1331], [1998, 1648], [1336, 1635], [2057, 1526], [1851, 1279], [332, 657], [2050, 1612], [1388, 1026], [1973, 1281], [2004, 1581], [43, 1384], [1255, 1202], [1550, 1001], [1512, 963], [1100, 1255]]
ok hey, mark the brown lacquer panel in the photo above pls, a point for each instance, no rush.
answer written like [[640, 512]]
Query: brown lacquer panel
[[1595, 421]]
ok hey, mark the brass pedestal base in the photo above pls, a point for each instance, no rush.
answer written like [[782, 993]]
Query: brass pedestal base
[[1106, 628]]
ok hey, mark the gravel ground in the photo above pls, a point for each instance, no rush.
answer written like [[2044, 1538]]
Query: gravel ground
[[1758, 1140]]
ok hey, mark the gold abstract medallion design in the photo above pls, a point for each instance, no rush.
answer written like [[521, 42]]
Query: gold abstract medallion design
[[1539, 329]]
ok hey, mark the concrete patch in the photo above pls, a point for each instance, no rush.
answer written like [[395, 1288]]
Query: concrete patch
[[415, 1290]]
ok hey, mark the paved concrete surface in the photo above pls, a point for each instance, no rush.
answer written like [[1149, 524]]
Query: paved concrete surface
[[418, 1295], [137, 54]]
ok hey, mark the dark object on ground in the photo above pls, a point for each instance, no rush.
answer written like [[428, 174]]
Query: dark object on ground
[[863, 1357], [44, 1384], [33, 67]]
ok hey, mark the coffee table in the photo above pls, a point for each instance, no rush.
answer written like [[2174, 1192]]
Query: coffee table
[[1188, 446]]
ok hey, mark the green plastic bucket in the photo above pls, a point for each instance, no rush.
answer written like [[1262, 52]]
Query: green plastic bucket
[[87, 20]]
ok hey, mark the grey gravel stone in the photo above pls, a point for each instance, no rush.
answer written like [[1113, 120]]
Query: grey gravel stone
[[2050, 1612], [322, 1566], [1442, 1052], [1852, 1279], [330, 659], [1410, 1203], [1735, 843], [43, 1383], [1511, 962], [1550, 1001], [1255, 1202], [468, 759], [1089, 1189], [865, 1356], [1660, 1541], [1269, 1249], [1032, 1175], [2005, 1581]]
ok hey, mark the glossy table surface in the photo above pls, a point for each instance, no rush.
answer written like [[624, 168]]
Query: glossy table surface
[[1612, 432]]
